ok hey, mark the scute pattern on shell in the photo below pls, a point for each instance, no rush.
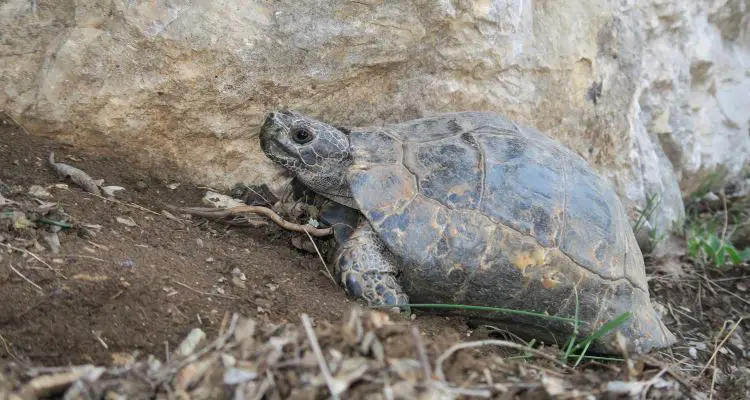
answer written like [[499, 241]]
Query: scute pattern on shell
[[471, 203]]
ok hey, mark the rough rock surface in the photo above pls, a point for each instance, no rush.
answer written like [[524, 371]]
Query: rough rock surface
[[654, 94]]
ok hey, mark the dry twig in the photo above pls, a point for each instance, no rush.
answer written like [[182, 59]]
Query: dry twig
[[649, 360], [35, 257], [208, 212], [501, 343], [101, 341], [422, 352], [7, 349], [735, 295], [132, 205], [290, 226], [716, 350], [328, 271], [319, 355], [84, 256], [23, 128], [39, 288], [226, 296]]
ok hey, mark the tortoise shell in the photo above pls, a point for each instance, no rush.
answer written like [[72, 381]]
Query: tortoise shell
[[483, 211]]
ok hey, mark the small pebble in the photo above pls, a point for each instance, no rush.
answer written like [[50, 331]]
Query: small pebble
[[127, 263], [239, 282], [40, 192], [693, 352]]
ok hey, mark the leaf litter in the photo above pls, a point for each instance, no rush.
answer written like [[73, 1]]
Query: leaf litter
[[366, 355]]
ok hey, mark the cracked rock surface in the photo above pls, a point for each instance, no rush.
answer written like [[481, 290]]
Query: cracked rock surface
[[653, 95]]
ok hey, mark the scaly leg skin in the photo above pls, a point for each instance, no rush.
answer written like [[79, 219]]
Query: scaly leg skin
[[367, 270]]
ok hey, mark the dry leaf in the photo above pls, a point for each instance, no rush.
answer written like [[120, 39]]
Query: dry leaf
[[110, 190], [121, 359], [407, 369], [553, 386], [234, 376], [90, 278], [126, 221], [52, 240], [191, 341], [40, 192]]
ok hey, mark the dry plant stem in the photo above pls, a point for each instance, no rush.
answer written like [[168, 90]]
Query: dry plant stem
[[501, 343], [281, 222], [422, 353], [224, 212], [464, 391], [7, 349], [36, 257], [653, 362], [725, 290], [713, 382], [318, 354], [84, 256], [328, 271], [205, 212], [132, 205], [23, 128], [716, 350], [205, 293], [39, 288], [100, 340], [651, 382], [213, 213]]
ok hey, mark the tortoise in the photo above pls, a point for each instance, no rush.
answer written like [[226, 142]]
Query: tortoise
[[472, 208]]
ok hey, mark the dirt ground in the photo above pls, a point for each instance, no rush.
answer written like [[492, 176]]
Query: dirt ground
[[129, 281]]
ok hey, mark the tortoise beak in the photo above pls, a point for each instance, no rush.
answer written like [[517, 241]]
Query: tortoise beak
[[269, 133]]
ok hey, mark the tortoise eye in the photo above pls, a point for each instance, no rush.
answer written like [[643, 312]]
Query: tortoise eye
[[302, 136]]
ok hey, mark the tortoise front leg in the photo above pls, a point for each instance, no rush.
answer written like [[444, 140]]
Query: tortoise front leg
[[367, 270]]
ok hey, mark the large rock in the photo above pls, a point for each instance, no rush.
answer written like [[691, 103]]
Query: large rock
[[655, 96]]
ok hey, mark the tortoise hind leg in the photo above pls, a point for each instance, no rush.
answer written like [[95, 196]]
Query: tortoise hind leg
[[367, 270]]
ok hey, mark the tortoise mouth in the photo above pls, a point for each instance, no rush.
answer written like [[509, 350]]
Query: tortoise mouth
[[270, 144], [276, 152]]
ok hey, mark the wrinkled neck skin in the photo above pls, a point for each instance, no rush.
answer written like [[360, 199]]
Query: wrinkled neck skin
[[328, 179]]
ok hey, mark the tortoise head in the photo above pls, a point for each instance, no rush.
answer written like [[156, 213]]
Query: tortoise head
[[314, 152]]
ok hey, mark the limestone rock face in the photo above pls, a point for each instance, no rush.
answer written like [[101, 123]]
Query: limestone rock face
[[656, 95]]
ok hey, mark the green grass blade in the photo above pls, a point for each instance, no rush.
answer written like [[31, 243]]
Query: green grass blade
[[605, 329], [598, 358], [482, 308], [583, 353], [572, 339]]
